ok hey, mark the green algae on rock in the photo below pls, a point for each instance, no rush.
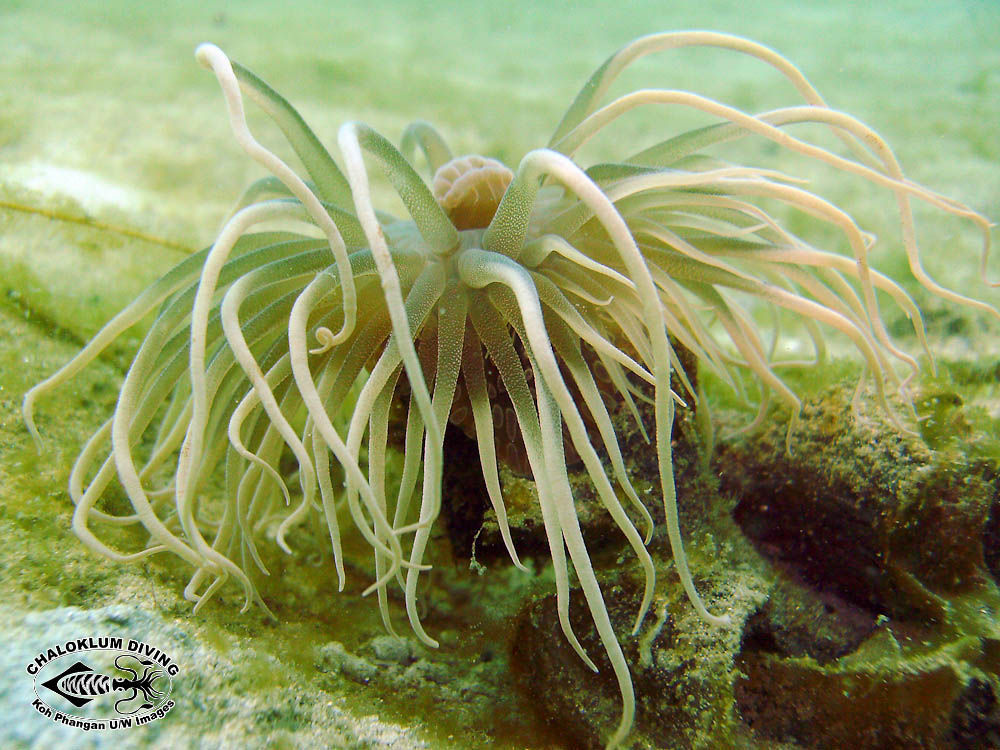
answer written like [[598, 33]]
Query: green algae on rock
[[885, 615]]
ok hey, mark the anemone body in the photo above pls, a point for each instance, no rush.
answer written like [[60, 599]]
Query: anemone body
[[553, 285]]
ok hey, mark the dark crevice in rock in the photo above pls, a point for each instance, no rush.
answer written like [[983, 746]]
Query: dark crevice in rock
[[975, 721]]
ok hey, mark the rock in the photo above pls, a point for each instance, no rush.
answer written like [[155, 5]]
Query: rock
[[397, 650], [228, 693], [333, 656], [861, 511], [683, 669], [878, 631], [858, 576], [898, 704]]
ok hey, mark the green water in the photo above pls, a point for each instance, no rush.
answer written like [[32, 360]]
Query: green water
[[116, 160]]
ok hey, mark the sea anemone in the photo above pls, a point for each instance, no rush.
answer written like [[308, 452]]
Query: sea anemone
[[518, 305]]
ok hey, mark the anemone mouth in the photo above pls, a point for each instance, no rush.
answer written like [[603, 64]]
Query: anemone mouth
[[470, 188], [557, 283]]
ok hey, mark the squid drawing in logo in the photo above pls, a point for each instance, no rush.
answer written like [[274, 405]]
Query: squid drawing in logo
[[80, 684]]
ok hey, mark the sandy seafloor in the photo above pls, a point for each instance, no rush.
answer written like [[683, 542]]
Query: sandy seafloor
[[116, 160]]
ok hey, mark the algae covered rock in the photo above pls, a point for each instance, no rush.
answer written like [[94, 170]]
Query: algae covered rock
[[879, 631], [857, 571]]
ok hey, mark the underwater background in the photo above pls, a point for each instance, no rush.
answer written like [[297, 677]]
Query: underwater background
[[116, 161]]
